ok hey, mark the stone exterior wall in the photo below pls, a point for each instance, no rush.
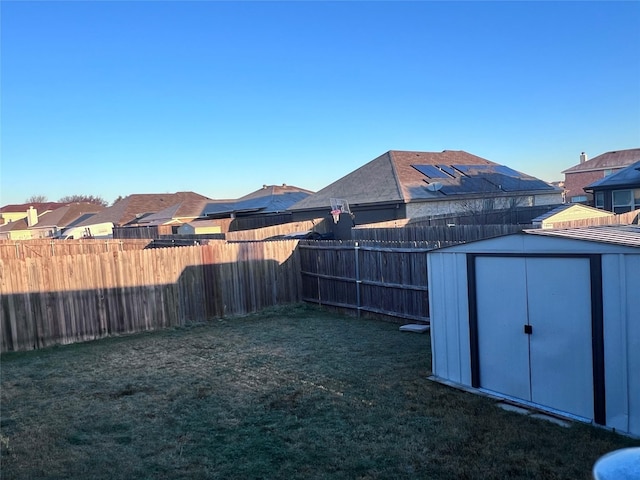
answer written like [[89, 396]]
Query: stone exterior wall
[[472, 205]]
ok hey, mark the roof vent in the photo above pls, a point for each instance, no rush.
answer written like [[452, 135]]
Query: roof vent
[[583, 157]]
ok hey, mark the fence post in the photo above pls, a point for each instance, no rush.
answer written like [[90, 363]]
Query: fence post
[[318, 277], [357, 255], [53, 254]]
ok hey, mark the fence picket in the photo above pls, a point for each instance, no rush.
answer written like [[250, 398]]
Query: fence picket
[[46, 300]]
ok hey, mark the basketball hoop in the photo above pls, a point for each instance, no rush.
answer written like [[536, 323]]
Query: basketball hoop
[[336, 215]]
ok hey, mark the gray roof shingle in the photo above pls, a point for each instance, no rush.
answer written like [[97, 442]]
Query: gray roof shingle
[[138, 205], [403, 177]]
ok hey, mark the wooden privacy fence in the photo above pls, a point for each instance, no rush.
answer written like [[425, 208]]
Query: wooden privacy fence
[[65, 299], [20, 249], [318, 225], [442, 234], [388, 279]]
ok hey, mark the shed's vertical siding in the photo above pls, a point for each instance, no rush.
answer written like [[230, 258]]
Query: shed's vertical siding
[[621, 286], [632, 278], [615, 341], [449, 314]]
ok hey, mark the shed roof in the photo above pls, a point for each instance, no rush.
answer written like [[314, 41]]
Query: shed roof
[[614, 159], [407, 176], [625, 235], [588, 211]]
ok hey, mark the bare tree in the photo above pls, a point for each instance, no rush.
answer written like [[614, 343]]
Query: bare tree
[[36, 199], [84, 198], [491, 209], [120, 197]]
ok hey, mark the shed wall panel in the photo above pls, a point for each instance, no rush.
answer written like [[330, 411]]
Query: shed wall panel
[[615, 341], [448, 310], [632, 280]]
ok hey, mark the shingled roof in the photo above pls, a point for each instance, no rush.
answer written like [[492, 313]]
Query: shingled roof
[[406, 176], [63, 216], [614, 159], [41, 207], [268, 199], [627, 177], [141, 205]]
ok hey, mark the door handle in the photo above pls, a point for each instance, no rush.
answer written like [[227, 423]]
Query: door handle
[[528, 329]]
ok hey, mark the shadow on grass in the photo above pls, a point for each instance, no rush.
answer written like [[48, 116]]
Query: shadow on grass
[[293, 392]]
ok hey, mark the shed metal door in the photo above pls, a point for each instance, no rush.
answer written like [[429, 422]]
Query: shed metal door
[[552, 365]]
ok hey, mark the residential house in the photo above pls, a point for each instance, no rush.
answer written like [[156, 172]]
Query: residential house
[[409, 185], [136, 210], [566, 213], [14, 212], [52, 224], [619, 192], [45, 223], [15, 230], [589, 171], [505, 321], [262, 208]]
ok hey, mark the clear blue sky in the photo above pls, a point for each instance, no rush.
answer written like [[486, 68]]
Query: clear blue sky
[[113, 98]]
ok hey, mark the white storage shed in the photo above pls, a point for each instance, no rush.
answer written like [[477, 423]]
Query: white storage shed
[[546, 318]]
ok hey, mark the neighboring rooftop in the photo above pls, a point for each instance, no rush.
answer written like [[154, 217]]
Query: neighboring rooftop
[[404, 176], [627, 177], [64, 216], [138, 206], [609, 160], [268, 199], [23, 207]]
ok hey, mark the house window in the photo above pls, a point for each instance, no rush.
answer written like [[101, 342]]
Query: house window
[[599, 197], [579, 199], [636, 198], [608, 172], [623, 201]]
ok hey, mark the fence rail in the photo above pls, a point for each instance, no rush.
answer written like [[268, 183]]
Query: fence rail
[[388, 279], [443, 235], [318, 225], [21, 249], [64, 299]]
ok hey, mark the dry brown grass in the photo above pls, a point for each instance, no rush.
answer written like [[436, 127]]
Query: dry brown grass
[[294, 392]]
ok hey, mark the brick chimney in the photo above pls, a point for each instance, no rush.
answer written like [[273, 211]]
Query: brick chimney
[[32, 216]]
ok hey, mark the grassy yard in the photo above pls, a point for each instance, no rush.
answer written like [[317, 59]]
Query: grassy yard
[[293, 392]]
